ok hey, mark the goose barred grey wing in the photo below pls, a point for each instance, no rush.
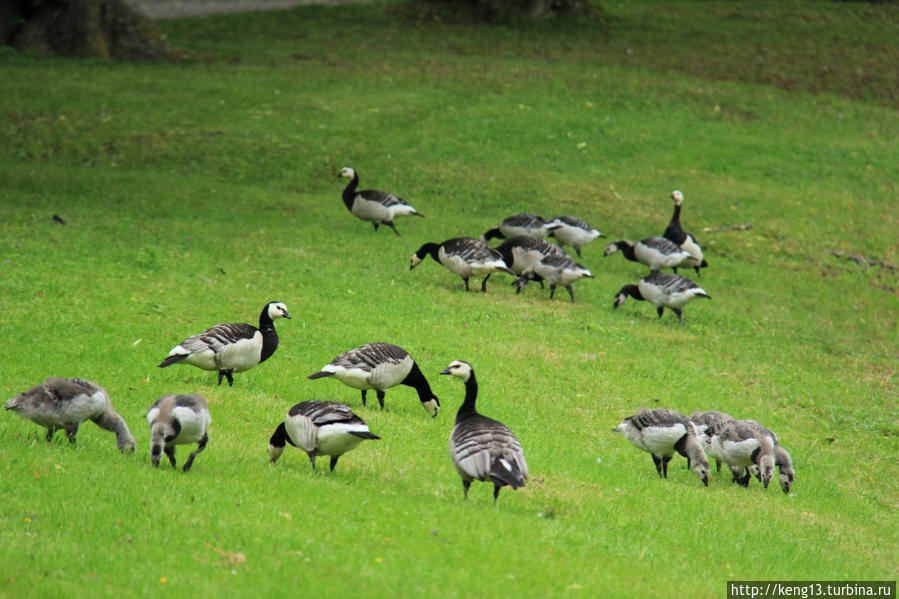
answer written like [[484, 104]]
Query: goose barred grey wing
[[382, 197], [658, 417], [524, 220], [670, 282], [324, 412], [480, 442], [662, 245], [219, 336], [370, 356], [470, 250], [573, 221]]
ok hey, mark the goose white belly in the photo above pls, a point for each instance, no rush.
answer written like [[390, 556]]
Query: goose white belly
[[73, 411], [369, 210], [338, 438], [656, 259], [193, 425], [735, 453], [523, 260], [382, 377], [240, 355], [660, 440], [456, 264], [692, 248], [574, 236]]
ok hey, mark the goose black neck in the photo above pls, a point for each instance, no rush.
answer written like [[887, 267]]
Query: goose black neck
[[471, 395], [349, 192], [269, 335], [627, 248], [631, 290], [675, 232], [416, 379], [428, 248]]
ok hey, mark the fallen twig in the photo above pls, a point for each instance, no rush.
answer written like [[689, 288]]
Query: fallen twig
[[742, 227], [862, 260]]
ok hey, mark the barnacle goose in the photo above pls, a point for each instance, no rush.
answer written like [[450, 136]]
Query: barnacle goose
[[655, 252], [743, 444], [781, 459], [319, 428], [377, 207], [708, 425], [685, 241], [60, 403], [665, 290], [520, 224], [380, 366], [178, 420], [465, 256], [230, 348], [522, 252], [482, 448], [556, 270], [574, 232], [662, 432]]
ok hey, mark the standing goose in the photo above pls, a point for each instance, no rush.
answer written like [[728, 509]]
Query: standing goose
[[685, 241], [655, 252], [178, 420], [482, 448], [380, 366], [319, 428], [522, 252], [557, 270], [709, 424], [230, 348], [662, 432], [520, 224], [60, 403], [377, 207], [743, 444], [574, 232], [465, 256], [665, 290]]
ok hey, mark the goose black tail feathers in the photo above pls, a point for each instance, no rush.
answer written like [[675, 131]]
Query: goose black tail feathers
[[503, 472], [172, 360], [364, 435], [319, 375]]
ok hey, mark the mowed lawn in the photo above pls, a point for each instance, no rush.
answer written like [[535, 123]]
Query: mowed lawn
[[195, 192]]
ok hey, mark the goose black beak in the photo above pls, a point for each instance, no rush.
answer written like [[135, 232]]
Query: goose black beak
[[445, 371]]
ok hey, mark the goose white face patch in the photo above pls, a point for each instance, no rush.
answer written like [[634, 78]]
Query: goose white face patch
[[431, 407]]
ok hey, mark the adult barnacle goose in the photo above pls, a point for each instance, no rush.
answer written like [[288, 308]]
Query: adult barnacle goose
[[178, 420], [522, 252], [662, 432], [230, 348], [685, 241], [377, 207], [709, 425], [319, 428], [380, 366], [60, 403], [655, 252], [465, 256], [557, 270], [574, 232], [520, 224], [482, 448], [743, 444], [665, 290]]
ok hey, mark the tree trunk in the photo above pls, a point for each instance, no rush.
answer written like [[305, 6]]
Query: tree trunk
[[100, 28]]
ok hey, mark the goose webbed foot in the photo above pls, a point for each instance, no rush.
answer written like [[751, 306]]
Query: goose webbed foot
[[380, 398]]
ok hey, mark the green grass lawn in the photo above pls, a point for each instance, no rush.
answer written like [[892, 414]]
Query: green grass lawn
[[196, 192]]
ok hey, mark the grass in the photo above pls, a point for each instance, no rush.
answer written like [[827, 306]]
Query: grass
[[196, 192]]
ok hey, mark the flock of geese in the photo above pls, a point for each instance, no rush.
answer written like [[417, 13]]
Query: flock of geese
[[481, 448]]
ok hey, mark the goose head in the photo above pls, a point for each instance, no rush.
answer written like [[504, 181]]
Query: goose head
[[346, 172], [459, 369], [678, 197], [277, 310]]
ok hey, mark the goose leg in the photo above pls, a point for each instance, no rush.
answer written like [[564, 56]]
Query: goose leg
[[170, 454], [200, 447], [496, 489], [466, 284], [680, 314], [334, 461], [665, 460], [552, 290], [380, 397], [660, 309], [484, 283], [311, 459], [390, 224], [363, 397], [376, 227], [570, 292], [658, 462], [230, 378], [71, 431], [50, 431]]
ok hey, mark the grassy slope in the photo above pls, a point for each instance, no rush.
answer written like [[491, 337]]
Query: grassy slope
[[197, 192]]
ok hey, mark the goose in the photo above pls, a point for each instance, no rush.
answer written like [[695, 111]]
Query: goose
[[319, 428], [664, 290], [377, 207], [522, 252], [482, 448], [655, 252], [685, 241], [742, 444], [556, 270], [782, 459], [64, 403], [709, 424], [662, 432], [574, 232], [520, 224], [230, 348], [380, 366], [465, 256], [178, 420]]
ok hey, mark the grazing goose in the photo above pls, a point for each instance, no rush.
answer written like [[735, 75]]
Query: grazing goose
[[377, 207], [178, 420], [781, 459], [520, 224], [482, 448], [380, 366], [522, 252], [556, 270], [574, 232], [319, 428], [464, 256], [709, 424], [742, 444], [665, 290], [684, 240], [60, 403], [230, 348], [662, 432], [655, 252]]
